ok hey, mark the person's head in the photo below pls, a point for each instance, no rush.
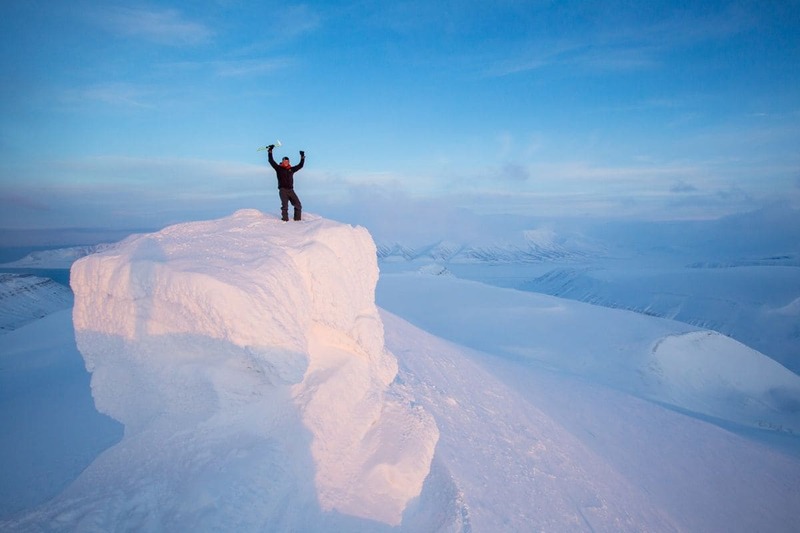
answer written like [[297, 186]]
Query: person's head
[[285, 162]]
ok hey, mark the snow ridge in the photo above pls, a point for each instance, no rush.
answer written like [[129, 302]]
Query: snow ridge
[[246, 359]]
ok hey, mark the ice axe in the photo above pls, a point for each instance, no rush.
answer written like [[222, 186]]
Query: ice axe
[[277, 145]]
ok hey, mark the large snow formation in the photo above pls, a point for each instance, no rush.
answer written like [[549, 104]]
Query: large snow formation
[[246, 359]]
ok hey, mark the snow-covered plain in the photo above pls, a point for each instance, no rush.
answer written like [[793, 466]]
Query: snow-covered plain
[[739, 275], [260, 388]]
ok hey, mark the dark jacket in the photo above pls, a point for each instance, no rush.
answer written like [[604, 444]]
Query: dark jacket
[[285, 175]]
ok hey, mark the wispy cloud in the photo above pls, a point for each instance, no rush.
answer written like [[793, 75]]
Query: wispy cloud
[[616, 58], [515, 172], [161, 26], [138, 191], [113, 94], [612, 44], [17, 200], [249, 67], [228, 68], [198, 173], [297, 20], [683, 187], [580, 56], [568, 174]]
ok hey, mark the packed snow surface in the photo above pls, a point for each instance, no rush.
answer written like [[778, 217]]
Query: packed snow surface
[[246, 359]]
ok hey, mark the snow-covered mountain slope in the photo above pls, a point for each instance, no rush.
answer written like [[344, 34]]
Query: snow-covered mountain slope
[[521, 448], [245, 358], [737, 275], [447, 252], [25, 298], [529, 246], [57, 257], [248, 361], [514, 466], [532, 449], [752, 304], [670, 362]]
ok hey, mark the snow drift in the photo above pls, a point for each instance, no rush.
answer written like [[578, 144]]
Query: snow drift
[[246, 359]]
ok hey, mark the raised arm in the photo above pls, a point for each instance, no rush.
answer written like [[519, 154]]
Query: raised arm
[[269, 155], [302, 161]]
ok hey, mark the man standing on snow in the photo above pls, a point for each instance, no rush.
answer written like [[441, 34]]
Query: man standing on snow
[[285, 172]]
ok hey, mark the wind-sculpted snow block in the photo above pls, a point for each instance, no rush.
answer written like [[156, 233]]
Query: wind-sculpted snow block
[[247, 329]]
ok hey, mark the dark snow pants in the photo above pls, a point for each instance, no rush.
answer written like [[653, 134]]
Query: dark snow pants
[[288, 195]]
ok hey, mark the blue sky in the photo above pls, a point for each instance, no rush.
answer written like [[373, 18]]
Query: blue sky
[[139, 114]]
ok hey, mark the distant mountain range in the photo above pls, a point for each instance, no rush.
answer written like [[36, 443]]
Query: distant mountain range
[[25, 298], [57, 258], [535, 246]]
